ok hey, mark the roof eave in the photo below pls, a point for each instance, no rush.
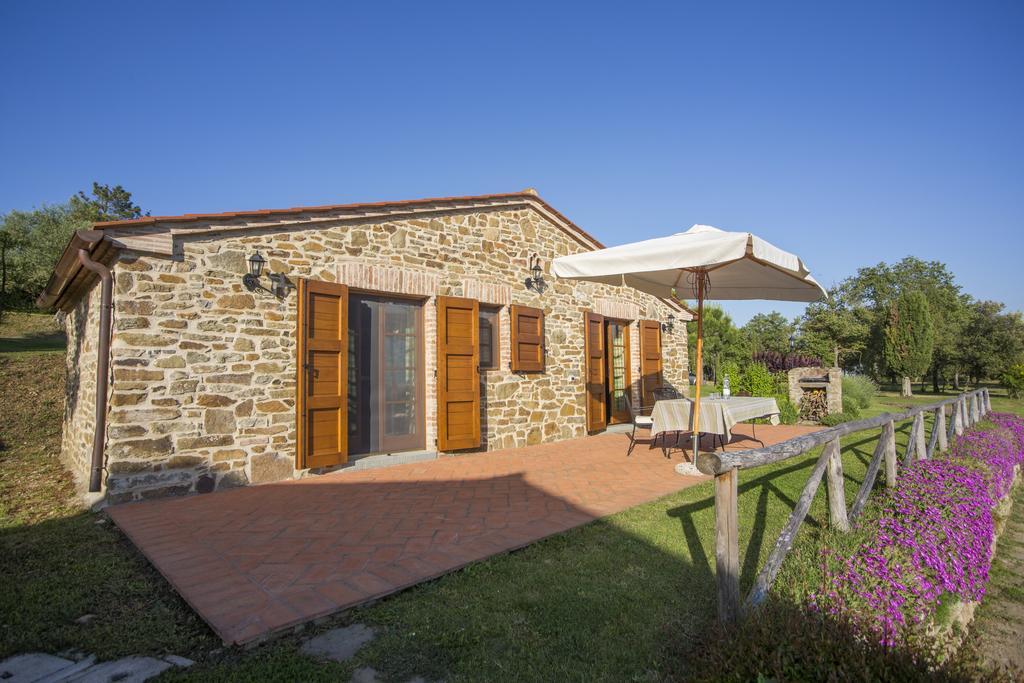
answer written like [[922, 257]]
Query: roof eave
[[68, 277]]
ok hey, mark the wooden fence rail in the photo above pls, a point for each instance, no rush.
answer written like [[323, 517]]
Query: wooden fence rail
[[965, 410]]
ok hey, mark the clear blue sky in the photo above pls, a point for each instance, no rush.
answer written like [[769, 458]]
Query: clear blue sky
[[849, 133]]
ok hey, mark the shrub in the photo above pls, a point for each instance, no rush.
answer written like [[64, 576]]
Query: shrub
[[788, 414], [781, 362], [732, 369], [860, 388], [757, 380], [1013, 380], [851, 406], [833, 419]]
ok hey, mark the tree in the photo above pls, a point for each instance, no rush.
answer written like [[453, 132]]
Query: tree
[[769, 332], [32, 241], [106, 204], [723, 342], [992, 341], [909, 337], [876, 288], [834, 329]]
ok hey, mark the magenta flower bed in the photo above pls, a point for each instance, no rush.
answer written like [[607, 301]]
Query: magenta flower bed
[[932, 537]]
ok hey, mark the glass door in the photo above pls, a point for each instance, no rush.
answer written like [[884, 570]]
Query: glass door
[[618, 371], [385, 375]]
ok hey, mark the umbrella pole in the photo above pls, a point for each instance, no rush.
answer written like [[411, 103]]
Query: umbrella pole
[[700, 365]]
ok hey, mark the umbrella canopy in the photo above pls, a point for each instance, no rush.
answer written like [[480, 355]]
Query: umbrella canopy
[[739, 265], [712, 263]]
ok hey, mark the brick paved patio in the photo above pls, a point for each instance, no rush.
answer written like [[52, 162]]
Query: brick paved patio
[[255, 560]]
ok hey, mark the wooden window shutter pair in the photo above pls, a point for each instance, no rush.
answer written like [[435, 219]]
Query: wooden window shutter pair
[[527, 339]]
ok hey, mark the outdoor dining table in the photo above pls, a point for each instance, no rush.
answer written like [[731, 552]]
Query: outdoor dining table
[[717, 415]]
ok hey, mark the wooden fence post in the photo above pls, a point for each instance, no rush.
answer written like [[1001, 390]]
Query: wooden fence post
[[915, 448], [958, 416], [974, 409], [889, 437], [921, 445], [940, 425], [988, 401], [836, 488], [727, 545]]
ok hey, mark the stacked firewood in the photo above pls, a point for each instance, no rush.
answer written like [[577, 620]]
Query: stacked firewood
[[813, 405]]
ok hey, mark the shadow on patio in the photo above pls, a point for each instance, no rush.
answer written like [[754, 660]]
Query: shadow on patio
[[256, 560]]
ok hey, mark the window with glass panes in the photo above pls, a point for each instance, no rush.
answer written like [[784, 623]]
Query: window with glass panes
[[489, 349]]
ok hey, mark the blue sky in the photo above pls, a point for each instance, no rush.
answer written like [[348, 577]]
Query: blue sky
[[849, 133]]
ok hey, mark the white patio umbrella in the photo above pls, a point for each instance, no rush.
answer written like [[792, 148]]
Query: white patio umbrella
[[712, 263]]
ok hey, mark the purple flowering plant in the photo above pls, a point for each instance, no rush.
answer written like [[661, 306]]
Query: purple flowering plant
[[929, 538]]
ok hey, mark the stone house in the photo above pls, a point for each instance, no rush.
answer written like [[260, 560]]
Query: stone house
[[256, 346]]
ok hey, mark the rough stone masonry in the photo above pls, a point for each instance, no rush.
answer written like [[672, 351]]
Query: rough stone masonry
[[203, 381]]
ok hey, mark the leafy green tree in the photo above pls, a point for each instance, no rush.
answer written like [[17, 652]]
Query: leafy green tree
[[992, 341], [876, 288], [1013, 380], [909, 337], [32, 241], [834, 329], [104, 204], [769, 332], [722, 342]]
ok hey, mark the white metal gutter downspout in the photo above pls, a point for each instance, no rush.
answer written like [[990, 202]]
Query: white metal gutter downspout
[[102, 367]]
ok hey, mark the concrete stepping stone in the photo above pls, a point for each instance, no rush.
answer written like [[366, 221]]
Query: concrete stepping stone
[[127, 670], [37, 667], [34, 667], [366, 674], [339, 644]]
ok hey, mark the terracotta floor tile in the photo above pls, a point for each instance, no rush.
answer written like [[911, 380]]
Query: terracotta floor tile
[[257, 559]]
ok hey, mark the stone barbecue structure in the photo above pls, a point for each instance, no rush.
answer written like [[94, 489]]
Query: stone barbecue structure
[[411, 327], [827, 380]]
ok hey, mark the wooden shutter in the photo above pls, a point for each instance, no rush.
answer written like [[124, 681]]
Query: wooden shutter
[[458, 373], [322, 400], [650, 360], [527, 339], [594, 348]]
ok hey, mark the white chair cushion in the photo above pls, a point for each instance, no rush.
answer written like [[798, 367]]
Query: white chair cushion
[[643, 421]]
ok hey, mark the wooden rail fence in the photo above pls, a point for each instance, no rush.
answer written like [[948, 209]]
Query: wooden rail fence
[[965, 410]]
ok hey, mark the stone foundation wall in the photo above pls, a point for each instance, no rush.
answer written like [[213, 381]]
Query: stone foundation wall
[[204, 371]]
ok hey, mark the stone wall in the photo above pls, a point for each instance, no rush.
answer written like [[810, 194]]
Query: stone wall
[[204, 371], [81, 325]]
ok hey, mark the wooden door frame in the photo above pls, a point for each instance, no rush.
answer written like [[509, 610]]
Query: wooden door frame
[[628, 361], [421, 406]]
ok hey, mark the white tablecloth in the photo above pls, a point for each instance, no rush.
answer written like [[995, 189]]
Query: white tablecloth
[[717, 415]]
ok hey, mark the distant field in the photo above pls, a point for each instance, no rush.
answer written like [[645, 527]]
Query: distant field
[[30, 332]]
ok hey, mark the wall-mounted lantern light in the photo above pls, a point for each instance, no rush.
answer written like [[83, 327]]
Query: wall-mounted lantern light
[[256, 263], [536, 279], [669, 324], [279, 283]]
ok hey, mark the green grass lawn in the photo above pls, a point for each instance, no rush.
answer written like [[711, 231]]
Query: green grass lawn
[[22, 332], [629, 597]]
